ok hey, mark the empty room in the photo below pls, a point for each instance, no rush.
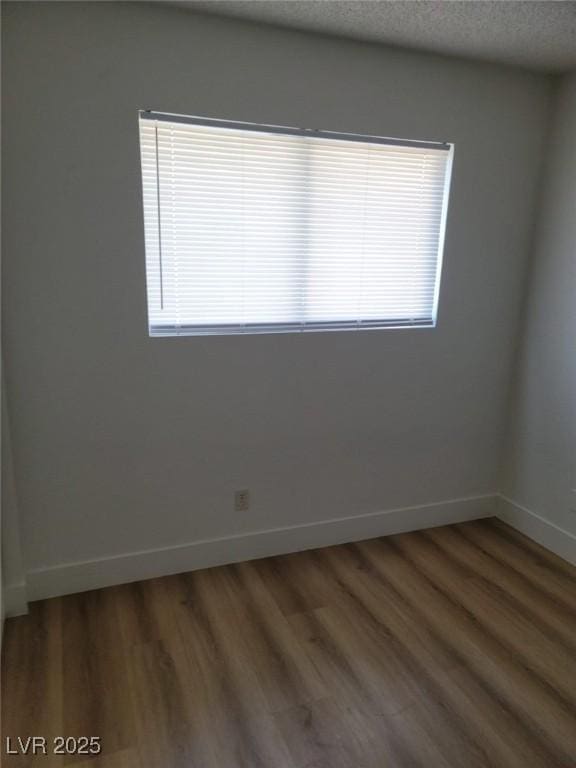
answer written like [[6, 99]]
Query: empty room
[[288, 384]]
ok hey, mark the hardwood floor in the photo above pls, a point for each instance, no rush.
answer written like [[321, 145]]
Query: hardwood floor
[[453, 647]]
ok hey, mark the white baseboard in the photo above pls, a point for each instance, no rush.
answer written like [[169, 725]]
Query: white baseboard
[[15, 600], [544, 532], [69, 578]]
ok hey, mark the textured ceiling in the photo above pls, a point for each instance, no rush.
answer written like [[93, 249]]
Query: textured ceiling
[[536, 35]]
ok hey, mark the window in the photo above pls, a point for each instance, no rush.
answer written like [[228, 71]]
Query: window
[[255, 229]]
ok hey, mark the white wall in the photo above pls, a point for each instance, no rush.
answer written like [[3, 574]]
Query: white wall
[[2, 601], [540, 471], [13, 574], [123, 442]]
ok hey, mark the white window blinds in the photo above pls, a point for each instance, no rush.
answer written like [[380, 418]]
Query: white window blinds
[[254, 229]]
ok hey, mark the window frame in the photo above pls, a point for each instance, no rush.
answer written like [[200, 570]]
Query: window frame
[[309, 326]]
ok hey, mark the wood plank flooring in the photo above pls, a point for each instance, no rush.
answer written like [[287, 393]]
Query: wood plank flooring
[[448, 648]]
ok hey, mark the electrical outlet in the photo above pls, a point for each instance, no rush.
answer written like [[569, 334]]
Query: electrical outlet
[[242, 500]]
